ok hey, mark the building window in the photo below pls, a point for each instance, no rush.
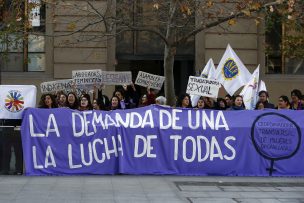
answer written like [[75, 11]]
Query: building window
[[148, 45], [22, 43], [284, 47]]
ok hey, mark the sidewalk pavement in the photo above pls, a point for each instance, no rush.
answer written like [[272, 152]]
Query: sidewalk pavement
[[127, 188]]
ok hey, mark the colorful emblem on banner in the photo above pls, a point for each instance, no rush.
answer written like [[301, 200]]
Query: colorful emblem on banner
[[14, 101], [230, 69]]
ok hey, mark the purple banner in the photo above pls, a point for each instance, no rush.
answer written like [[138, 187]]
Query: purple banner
[[161, 140]]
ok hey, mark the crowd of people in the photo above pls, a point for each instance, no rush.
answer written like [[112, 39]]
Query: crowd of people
[[128, 97]]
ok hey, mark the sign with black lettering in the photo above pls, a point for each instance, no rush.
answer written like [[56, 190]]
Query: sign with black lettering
[[149, 80], [203, 87], [58, 85], [116, 78], [87, 77], [275, 137]]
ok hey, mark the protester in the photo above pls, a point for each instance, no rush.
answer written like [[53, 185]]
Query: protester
[[143, 101], [209, 103], [47, 101], [184, 101], [200, 103], [72, 101], [221, 104], [85, 103], [120, 93], [259, 105], [115, 103], [151, 95], [229, 100], [296, 96], [95, 105], [101, 99], [98, 106], [132, 95], [238, 103], [283, 102], [264, 97], [161, 100], [11, 138], [62, 100]]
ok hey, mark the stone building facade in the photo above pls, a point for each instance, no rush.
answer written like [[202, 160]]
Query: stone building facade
[[63, 53]]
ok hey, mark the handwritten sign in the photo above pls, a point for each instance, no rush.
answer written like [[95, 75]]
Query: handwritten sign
[[58, 85], [149, 80], [116, 78], [203, 87], [87, 77]]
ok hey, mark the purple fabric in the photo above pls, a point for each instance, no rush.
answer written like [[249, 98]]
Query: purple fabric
[[177, 141]]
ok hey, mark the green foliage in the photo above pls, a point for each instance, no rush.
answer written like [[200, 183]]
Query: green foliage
[[284, 29]]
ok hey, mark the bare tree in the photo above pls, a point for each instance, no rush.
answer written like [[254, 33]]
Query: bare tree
[[173, 21]]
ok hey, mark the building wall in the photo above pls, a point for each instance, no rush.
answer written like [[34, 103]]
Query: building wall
[[248, 41], [66, 51]]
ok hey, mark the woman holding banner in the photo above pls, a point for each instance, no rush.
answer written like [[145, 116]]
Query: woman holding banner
[[221, 104], [72, 101], [115, 103], [95, 105], [209, 103], [85, 103], [238, 103], [283, 103], [259, 106], [184, 101], [200, 103], [120, 94], [47, 101], [264, 97], [296, 96], [62, 100]]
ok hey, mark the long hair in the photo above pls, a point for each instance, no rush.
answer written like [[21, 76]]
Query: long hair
[[42, 101], [118, 105], [234, 98], [88, 98], [285, 99], [180, 100], [75, 105]]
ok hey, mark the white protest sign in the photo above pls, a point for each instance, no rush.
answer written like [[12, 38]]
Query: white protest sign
[[203, 87], [58, 85], [116, 78], [87, 77], [149, 80]]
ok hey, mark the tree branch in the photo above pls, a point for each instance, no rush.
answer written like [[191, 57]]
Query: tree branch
[[144, 29], [215, 23], [99, 14]]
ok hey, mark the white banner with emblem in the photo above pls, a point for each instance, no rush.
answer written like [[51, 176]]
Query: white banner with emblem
[[15, 98]]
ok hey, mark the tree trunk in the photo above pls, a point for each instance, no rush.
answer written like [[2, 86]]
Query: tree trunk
[[169, 56], [168, 69]]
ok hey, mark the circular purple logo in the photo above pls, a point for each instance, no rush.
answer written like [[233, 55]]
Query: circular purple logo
[[275, 136]]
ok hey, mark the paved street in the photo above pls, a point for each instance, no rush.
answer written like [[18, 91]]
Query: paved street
[[123, 188]]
